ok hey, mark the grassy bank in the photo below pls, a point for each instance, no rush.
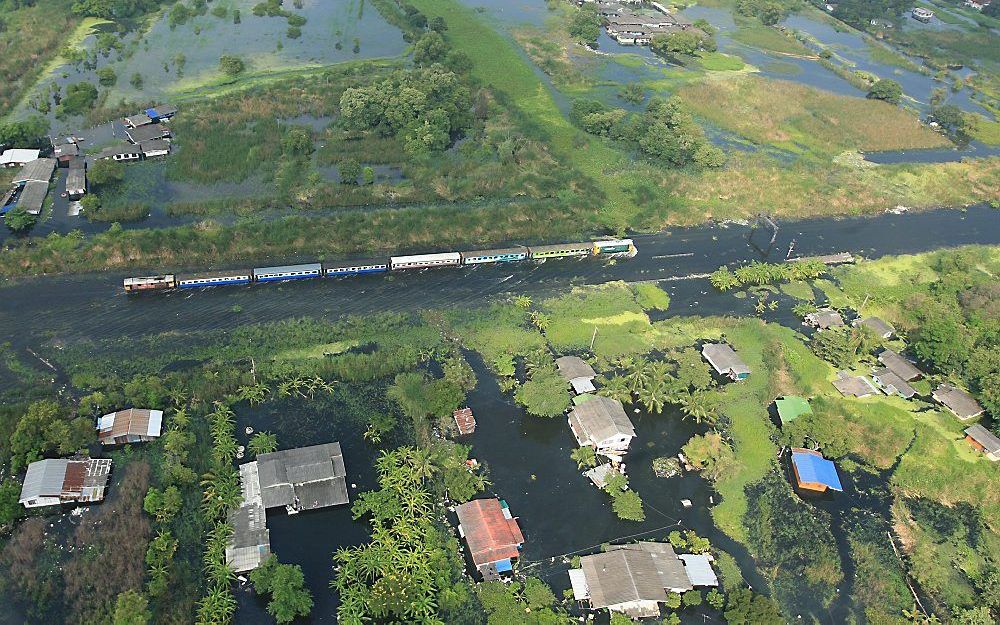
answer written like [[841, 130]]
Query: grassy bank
[[796, 117]]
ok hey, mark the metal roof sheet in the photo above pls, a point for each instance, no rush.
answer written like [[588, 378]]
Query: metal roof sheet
[[622, 576], [602, 418], [44, 478], [490, 535], [723, 358], [571, 367], [812, 467], [699, 569]]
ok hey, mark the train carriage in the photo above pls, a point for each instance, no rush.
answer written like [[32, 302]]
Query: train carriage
[[149, 283], [561, 250], [615, 247], [506, 255], [215, 278], [424, 261], [287, 272], [356, 267]]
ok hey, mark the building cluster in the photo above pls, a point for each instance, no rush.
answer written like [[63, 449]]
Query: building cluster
[[630, 22], [30, 185], [84, 480], [148, 136], [305, 478], [634, 579]]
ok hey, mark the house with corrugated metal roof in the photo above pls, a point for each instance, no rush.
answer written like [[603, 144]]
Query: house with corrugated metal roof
[[813, 472], [491, 534], [306, 478], [620, 580], [962, 404], [55, 481], [984, 440], [601, 423], [899, 365], [725, 361], [16, 157], [892, 384], [882, 329], [577, 373], [134, 425]]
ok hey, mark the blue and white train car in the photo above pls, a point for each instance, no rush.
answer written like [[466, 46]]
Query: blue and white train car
[[505, 255], [356, 267], [287, 272], [215, 278]]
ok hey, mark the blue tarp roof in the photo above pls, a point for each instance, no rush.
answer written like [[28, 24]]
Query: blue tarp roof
[[503, 566], [815, 468], [151, 113]]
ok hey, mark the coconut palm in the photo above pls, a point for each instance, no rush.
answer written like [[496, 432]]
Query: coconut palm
[[636, 375], [262, 443], [540, 320], [617, 388], [225, 450], [723, 279], [522, 301], [698, 406], [584, 456], [653, 395]]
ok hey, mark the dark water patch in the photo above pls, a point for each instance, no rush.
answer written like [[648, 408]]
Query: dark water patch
[[973, 149], [309, 539], [561, 512]]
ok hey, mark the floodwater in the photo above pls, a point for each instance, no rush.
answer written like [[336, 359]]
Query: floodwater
[[853, 47], [329, 36], [528, 457]]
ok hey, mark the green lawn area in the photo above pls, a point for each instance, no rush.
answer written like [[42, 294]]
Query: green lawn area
[[719, 62], [753, 33], [798, 118], [622, 326]]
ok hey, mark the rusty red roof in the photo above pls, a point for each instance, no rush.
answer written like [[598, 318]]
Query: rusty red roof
[[490, 534], [465, 421], [73, 480]]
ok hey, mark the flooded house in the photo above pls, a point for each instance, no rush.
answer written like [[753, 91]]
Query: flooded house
[[134, 425], [577, 373], [634, 579], [899, 365], [305, 478], [464, 421], [18, 157], [123, 152], [76, 181], [154, 148], [491, 534], [39, 170], [698, 568], [854, 385], [725, 361], [31, 196], [922, 15], [882, 329], [56, 481], [601, 423], [147, 133], [135, 121], [962, 404], [64, 153], [892, 384], [813, 472], [824, 319], [984, 440]]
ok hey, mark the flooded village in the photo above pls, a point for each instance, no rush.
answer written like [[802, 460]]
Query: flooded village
[[480, 312]]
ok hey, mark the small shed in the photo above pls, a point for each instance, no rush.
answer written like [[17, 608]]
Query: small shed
[[882, 329], [134, 121], [984, 440], [464, 420], [824, 319], [899, 365], [791, 407], [725, 361], [76, 183], [17, 157], [32, 196], [813, 472], [959, 402], [599, 474], [578, 373], [854, 386], [134, 425], [154, 147], [699, 570], [892, 384]]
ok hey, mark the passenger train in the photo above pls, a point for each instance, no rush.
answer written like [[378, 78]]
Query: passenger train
[[335, 269]]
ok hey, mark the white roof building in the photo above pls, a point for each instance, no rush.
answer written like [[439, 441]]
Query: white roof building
[[17, 156]]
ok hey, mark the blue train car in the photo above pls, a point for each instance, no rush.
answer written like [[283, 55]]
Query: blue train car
[[215, 278], [506, 255], [287, 272], [356, 267]]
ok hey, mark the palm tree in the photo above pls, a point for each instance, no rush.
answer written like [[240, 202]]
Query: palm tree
[[723, 279], [653, 395], [636, 375], [540, 320], [698, 406], [422, 463], [262, 443], [584, 456], [522, 301], [617, 388]]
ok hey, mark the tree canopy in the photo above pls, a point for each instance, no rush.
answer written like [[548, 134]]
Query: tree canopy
[[286, 585]]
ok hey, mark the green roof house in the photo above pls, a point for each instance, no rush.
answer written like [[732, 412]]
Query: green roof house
[[791, 408]]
